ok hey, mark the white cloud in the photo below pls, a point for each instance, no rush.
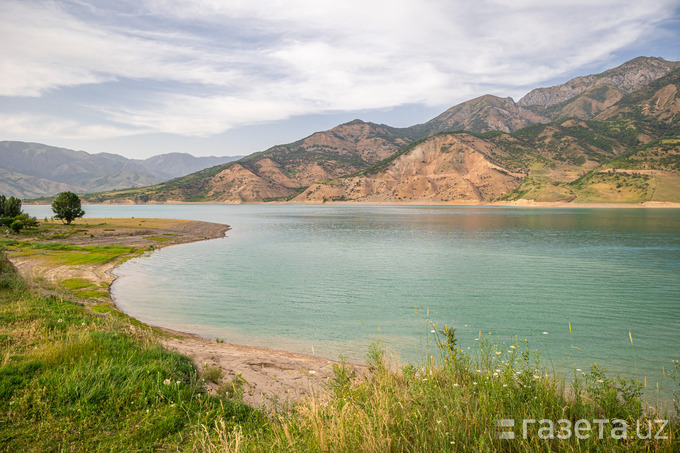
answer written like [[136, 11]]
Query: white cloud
[[201, 67], [39, 126]]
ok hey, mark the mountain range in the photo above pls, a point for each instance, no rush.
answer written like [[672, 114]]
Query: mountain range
[[609, 137], [29, 170]]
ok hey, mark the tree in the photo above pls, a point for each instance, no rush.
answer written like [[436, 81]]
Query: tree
[[10, 207], [10, 212], [66, 207]]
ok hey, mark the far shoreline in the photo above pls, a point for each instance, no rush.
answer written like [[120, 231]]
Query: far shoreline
[[500, 204]]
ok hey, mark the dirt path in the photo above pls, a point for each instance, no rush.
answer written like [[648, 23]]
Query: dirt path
[[265, 376]]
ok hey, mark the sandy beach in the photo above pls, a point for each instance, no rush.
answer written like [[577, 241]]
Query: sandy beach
[[267, 375]]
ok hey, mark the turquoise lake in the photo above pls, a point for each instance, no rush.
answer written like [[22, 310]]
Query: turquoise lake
[[330, 279]]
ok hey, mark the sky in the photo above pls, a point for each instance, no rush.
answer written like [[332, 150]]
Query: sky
[[232, 77]]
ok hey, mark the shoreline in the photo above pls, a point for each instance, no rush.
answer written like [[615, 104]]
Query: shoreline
[[269, 375], [507, 204]]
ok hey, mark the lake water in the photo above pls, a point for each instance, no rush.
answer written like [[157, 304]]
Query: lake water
[[330, 279]]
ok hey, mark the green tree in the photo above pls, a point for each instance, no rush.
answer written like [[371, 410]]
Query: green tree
[[66, 207], [10, 207]]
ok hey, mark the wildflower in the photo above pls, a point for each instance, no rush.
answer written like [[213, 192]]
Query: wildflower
[[600, 381], [178, 382], [439, 421], [166, 382], [498, 352], [60, 320], [312, 372], [432, 331], [512, 347], [456, 385], [545, 333], [505, 385], [424, 379], [578, 369], [474, 383]]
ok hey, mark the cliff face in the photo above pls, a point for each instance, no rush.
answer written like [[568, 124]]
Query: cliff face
[[445, 168]]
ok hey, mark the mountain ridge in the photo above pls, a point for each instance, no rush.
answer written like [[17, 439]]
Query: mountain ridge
[[29, 170]]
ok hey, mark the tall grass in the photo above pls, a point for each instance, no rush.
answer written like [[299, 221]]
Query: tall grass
[[453, 402]]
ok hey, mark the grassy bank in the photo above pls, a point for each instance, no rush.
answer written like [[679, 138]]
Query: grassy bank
[[75, 380], [79, 377]]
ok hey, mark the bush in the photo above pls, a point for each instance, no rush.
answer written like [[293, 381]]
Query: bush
[[16, 226]]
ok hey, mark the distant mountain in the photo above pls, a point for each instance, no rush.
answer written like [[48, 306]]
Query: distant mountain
[[30, 170], [613, 136], [174, 165]]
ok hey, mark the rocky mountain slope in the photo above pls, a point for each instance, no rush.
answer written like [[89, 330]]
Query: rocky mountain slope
[[555, 144], [30, 170]]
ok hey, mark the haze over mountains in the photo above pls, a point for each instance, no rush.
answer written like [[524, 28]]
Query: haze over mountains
[[29, 170], [613, 136]]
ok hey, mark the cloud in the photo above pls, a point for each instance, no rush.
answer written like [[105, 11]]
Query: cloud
[[48, 126], [200, 67]]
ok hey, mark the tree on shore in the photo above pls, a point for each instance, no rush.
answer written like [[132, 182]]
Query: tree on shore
[[66, 207], [12, 216]]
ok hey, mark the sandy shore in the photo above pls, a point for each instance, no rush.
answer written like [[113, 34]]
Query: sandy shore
[[267, 375]]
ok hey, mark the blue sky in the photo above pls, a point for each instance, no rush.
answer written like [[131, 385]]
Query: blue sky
[[213, 77]]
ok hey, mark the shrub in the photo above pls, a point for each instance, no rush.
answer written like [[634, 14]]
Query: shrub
[[16, 226]]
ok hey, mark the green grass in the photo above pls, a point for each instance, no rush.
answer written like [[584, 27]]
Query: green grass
[[71, 380], [77, 283], [72, 255]]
